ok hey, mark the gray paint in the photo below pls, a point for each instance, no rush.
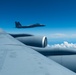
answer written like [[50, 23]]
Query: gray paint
[[37, 41], [48, 51], [19, 59], [63, 56], [68, 61]]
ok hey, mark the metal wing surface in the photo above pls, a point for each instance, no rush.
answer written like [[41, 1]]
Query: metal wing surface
[[18, 59]]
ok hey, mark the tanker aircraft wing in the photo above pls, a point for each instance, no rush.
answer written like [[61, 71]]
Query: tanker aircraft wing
[[18, 59]]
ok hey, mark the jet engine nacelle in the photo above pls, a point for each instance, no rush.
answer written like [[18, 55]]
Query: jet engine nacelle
[[35, 41]]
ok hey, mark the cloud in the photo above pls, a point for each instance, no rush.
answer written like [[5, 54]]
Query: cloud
[[65, 44], [58, 35], [73, 35], [62, 35]]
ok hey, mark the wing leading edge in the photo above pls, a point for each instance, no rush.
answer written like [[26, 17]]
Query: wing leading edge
[[18, 59]]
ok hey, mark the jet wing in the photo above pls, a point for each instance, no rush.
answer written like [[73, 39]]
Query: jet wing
[[18, 59]]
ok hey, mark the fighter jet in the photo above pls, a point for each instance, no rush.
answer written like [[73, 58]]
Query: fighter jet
[[18, 25]]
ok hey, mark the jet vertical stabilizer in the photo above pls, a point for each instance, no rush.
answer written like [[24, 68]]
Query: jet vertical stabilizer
[[18, 25]]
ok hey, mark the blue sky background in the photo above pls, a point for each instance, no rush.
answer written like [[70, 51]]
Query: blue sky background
[[59, 16]]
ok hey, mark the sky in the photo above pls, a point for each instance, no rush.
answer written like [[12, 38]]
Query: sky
[[59, 16]]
